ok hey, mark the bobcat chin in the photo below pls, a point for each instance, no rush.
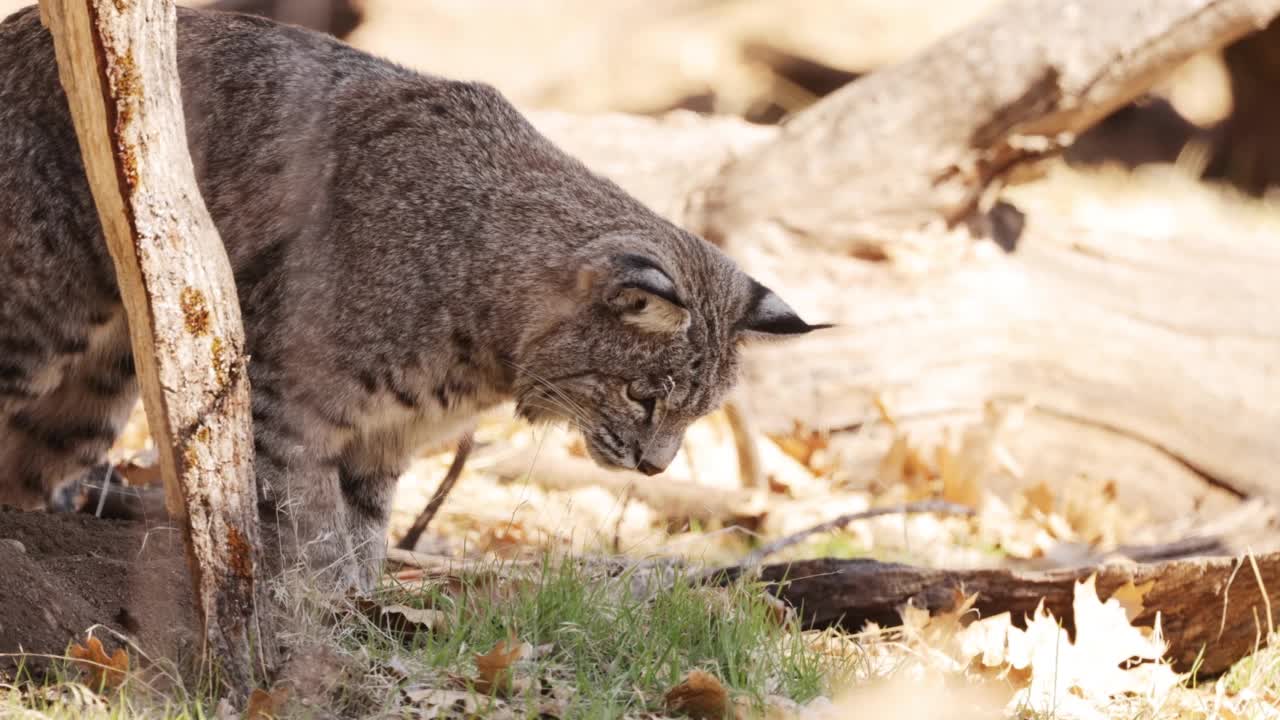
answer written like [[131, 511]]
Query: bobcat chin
[[408, 252]]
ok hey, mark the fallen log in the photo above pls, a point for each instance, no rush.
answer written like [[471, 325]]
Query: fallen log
[[1092, 320], [923, 140], [1217, 606]]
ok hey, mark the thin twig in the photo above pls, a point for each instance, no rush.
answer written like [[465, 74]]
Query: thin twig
[[925, 506], [617, 526], [105, 489], [744, 439], [410, 539]]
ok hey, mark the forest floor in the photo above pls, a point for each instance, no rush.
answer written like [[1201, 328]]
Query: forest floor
[[547, 588]]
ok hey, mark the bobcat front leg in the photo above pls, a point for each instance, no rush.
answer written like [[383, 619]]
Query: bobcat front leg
[[306, 512], [298, 466], [368, 476], [368, 504]]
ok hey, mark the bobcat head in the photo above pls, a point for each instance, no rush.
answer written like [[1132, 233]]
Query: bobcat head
[[644, 339]]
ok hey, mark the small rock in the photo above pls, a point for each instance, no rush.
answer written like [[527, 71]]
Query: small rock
[[14, 544]]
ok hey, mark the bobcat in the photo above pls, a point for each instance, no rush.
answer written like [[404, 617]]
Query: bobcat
[[408, 251]]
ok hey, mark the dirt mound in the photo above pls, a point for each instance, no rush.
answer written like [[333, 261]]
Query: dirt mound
[[65, 573]]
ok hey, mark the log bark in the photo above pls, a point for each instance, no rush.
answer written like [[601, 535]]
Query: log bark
[[1247, 148], [117, 63], [922, 141], [1209, 604]]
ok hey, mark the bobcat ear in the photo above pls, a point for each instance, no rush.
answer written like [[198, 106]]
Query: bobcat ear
[[768, 316], [644, 295]]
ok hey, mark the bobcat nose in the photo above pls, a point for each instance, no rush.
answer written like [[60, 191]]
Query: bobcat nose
[[658, 452], [648, 468]]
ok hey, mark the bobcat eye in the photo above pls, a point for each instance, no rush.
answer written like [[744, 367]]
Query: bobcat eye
[[649, 404]]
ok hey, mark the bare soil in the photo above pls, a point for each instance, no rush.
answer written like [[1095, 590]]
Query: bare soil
[[67, 573]]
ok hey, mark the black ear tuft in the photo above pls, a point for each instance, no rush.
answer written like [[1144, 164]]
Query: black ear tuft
[[768, 315]]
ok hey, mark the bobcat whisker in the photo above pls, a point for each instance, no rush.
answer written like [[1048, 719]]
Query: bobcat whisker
[[548, 385], [535, 400], [552, 412]]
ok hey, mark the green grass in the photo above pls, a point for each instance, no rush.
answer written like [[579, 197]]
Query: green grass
[[607, 650], [618, 651], [61, 692]]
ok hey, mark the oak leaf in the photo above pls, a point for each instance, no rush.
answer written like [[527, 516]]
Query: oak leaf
[[700, 696], [802, 444], [264, 705], [401, 620], [1130, 597], [104, 671], [493, 669]]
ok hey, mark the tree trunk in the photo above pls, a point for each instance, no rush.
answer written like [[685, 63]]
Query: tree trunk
[[117, 62]]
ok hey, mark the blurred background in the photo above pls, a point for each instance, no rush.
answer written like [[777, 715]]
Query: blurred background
[[762, 60]]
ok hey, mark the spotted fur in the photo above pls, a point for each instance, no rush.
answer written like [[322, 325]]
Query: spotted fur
[[408, 251]]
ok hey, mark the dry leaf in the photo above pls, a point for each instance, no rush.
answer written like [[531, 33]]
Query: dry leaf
[[433, 702], [1130, 597], [1040, 496], [914, 619], [963, 472], [905, 465], [1074, 678], [265, 705], [141, 470], [802, 444], [886, 415], [408, 575], [950, 621], [493, 669], [408, 620], [397, 668], [402, 619], [700, 696], [782, 613], [505, 540], [103, 671]]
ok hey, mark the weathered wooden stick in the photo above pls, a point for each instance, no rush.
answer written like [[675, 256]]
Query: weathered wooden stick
[[117, 63], [1210, 604]]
